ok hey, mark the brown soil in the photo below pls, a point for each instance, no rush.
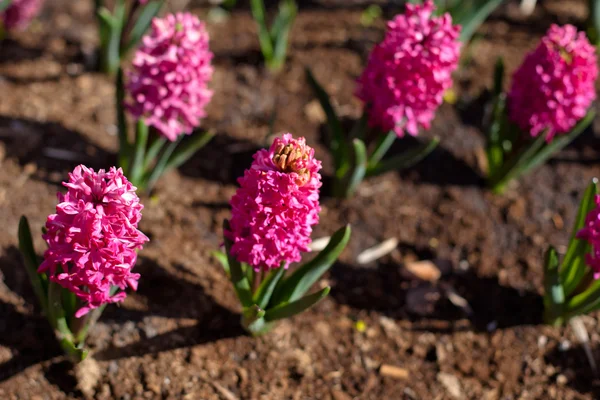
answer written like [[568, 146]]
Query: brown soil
[[178, 337]]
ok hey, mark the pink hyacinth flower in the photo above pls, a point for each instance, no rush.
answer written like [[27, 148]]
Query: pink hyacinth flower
[[408, 73], [93, 237], [171, 70], [591, 233], [20, 13], [555, 85], [276, 205]]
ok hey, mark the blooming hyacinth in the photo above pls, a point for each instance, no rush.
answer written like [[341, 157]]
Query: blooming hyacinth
[[20, 13], [93, 237], [408, 72], [591, 233], [171, 70], [554, 86], [276, 205]]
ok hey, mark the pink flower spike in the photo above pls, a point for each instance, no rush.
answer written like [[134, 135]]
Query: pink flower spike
[[20, 13], [171, 70], [591, 233], [408, 73], [273, 211], [555, 85], [93, 237]]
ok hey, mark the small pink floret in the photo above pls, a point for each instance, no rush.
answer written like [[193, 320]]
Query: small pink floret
[[408, 73], [93, 237], [276, 205], [168, 86], [555, 85], [591, 233], [20, 13]]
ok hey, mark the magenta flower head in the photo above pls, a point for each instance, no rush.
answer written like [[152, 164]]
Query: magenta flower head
[[168, 84], [554, 86], [20, 13], [408, 72], [93, 237], [591, 233], [276, 205]]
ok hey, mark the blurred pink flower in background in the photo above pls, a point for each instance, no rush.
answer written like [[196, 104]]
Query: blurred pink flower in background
[[555, 85], [276, 205], [407, 73], [20, 13], [591, 233], [171, 70], [93, 237]]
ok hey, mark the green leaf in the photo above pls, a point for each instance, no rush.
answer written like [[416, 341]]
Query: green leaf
[[587, 301], [267, 286], [280, 31], [554, 296], [156, 145], [222, 259], [382, 147], [4, 4], [295, 307], [337, 139], [404, 160], [476, 15], [124, 146], [593, 23], [161, 165], [39, 282], [573, 267], [238, 278], [188, 148], [360, 167], [111, 27], [75, 354], [142, 23], [264, 37], [498, 76], [298, 283]]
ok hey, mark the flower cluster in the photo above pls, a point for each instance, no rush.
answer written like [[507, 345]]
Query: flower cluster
[[93, 237], [20, 13], [554, 86], [276, 205], [408, 72], [171, 70], [591, 233]]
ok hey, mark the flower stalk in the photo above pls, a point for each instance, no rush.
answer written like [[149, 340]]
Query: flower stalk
[[547, 107], [92, 247], [571, 286], [166, 106], [121, 30]]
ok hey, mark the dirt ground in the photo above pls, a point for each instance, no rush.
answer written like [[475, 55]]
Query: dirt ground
[[178, 337]]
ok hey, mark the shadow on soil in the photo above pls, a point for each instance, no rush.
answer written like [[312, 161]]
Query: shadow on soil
[[21, 331], [50, 146], [391, 290], [575, 365], [166, 295]]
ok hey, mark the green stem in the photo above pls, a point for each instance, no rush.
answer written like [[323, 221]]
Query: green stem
[[141, 141], [124, 146], [160, 166]]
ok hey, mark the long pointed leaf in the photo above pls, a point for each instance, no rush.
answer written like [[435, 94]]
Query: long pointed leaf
[[360, 167], [280, 32], [223, 260], [404, 160], [141, 141], [382, 147], [124, 146], [188, 148], [573, 266], [337, 139], [296, 307], [475, 17], [38, 281], [238, 278], [161, 165], [298, 283], [267, 287], [142, 23], [264, 37], [554, 296], [585, 302]]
